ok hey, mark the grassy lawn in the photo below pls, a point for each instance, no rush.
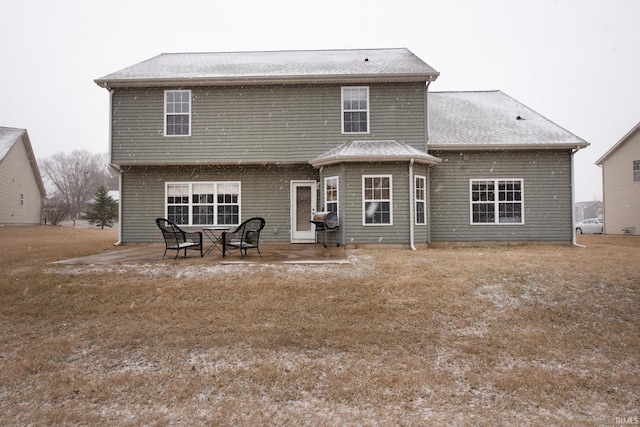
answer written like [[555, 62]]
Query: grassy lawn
[[522, 335]]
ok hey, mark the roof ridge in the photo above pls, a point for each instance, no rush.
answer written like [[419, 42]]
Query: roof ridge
[[283, 51], [467, 91]]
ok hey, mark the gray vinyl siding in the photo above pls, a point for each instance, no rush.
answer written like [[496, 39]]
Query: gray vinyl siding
[[265, 192], [547, 195], [352, 207], [350, 198], [259, 124]]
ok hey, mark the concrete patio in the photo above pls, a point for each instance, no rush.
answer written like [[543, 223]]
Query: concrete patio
[[271, 253]]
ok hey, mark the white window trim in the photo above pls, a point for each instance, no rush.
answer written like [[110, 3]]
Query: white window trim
[[215, 201], [423, 201], [635, 166], [164, 100], [390, 200], [337, 178], [496, 202], [342, 111]]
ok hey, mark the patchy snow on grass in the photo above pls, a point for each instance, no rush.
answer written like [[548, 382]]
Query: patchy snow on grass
[[354, 268]]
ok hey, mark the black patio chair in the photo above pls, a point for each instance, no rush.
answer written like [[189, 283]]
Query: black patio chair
[[176, 239], [245, 237]]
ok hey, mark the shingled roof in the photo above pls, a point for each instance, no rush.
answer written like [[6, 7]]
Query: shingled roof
[[275, 67], [373, 151], [491, 120], [9, 137]]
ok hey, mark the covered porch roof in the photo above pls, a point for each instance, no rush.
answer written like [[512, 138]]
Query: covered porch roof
[[387, 150]]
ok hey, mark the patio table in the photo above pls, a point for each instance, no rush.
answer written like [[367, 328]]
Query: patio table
[[214, 234]]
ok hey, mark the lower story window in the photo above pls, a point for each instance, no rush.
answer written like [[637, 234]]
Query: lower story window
[[203, 203], [331, 194], [377, 197], [636, 170], [421, 199], [497, 201]]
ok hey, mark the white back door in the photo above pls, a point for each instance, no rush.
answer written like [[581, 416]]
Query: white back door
[[303, 207]]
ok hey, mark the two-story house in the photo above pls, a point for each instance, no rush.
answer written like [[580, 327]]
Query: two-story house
[[216, 138]]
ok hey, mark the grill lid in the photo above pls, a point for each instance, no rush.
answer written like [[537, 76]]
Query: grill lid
[[328, 219]]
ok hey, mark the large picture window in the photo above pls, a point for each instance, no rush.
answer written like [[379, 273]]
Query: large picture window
[[355, 109], [377, 198], [421, 199], [203, 203], [177, 112], [497, 201], [331, 194]]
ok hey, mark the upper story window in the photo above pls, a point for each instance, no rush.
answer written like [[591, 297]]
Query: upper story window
[[636, 170], [331, 194], [497, 201], [355, 109], [21, 199], [377, 200], [177, 112], [203, 203], [421, 199]]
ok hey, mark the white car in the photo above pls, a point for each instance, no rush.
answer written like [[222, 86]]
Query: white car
[[589, 226]]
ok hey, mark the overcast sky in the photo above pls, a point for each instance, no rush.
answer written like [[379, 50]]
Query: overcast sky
[[577, 62]]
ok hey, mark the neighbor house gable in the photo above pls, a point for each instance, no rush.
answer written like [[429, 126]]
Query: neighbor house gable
[[621, 185], [21, 188]]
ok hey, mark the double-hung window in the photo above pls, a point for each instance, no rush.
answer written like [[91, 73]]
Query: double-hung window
[[377, 200], [177, 112], [636, 171], [203, 203], [331, 194], [420, 199], [355, 109], [497, 201]]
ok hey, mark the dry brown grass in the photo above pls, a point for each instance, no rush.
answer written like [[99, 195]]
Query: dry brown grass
[[524, 335]]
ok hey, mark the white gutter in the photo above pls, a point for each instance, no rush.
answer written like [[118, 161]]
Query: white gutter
[[411, 208], [119, 242], [109, 83], [426, 118], [573, 202]]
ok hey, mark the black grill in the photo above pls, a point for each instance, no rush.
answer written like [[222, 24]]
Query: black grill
[[326, 222]]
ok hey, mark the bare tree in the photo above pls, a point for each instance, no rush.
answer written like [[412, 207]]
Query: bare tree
[[55, 210], [76, 178]]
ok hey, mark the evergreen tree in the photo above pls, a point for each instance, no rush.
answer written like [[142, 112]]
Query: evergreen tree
[[103, 211]]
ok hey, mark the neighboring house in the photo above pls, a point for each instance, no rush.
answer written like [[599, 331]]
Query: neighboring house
[[22, 191], [217, 138], [621, 185], [586, 210]]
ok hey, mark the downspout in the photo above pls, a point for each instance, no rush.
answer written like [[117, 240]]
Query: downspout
[[426, 118], [119, 242], [411, 207], [426, 150], [573, 202], [428, 196]]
